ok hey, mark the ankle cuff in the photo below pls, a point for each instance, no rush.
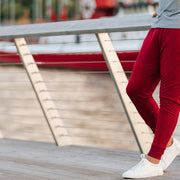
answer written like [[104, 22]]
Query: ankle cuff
[[156, 152]]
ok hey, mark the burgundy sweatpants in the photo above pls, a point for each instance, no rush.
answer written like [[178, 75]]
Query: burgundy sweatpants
[[158, 61]]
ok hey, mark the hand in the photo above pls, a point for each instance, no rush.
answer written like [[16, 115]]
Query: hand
[[154, 15]]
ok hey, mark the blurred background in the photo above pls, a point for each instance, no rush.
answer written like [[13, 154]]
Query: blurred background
[[38, 11]]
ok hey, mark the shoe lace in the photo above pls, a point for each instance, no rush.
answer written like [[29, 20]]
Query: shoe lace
[[143, 158]]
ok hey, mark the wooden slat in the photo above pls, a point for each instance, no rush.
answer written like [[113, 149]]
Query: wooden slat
[[48, 107], [139, 128], [115, 24], [34, 160]]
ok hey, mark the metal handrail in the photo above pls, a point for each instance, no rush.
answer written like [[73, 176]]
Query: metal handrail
[[104, 25]]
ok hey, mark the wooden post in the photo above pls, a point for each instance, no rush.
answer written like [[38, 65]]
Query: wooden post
[[51, 114], [139, 128]]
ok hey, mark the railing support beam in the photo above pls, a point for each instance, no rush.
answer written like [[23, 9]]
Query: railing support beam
[[139, 128], [49, 109]]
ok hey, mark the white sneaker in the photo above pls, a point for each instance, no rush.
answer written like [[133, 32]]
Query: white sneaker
[[170, 154], [144, 169]]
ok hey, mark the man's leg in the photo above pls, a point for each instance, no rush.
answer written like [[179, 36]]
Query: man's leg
[[169, 91], [144, 79]]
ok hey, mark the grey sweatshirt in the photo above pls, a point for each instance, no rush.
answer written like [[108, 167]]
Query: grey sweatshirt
[[168, 14]]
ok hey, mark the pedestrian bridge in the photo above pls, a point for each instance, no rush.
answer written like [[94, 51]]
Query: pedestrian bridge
[[65, 159]]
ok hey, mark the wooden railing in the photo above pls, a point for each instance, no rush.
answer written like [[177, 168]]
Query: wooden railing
[[100, 27]]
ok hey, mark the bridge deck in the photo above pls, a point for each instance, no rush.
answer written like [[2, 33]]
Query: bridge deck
[[25, 160]]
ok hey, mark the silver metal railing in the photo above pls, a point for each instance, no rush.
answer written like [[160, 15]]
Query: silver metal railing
[[66, 115]]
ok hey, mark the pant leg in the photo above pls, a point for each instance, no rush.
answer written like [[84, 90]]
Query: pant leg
[[144, 79], [169, 90]]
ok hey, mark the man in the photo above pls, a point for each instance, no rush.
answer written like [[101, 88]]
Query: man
[[158, 60]]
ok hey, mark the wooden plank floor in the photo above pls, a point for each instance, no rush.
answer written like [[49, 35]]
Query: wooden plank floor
[[25, 160]]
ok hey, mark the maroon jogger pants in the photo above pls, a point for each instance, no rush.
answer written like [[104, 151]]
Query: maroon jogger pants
[[158, 61]]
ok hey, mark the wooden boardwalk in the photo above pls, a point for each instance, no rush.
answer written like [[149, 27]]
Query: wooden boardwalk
[[25, 160]]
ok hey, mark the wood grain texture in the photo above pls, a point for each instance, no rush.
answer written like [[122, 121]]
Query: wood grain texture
[[25, 160]]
